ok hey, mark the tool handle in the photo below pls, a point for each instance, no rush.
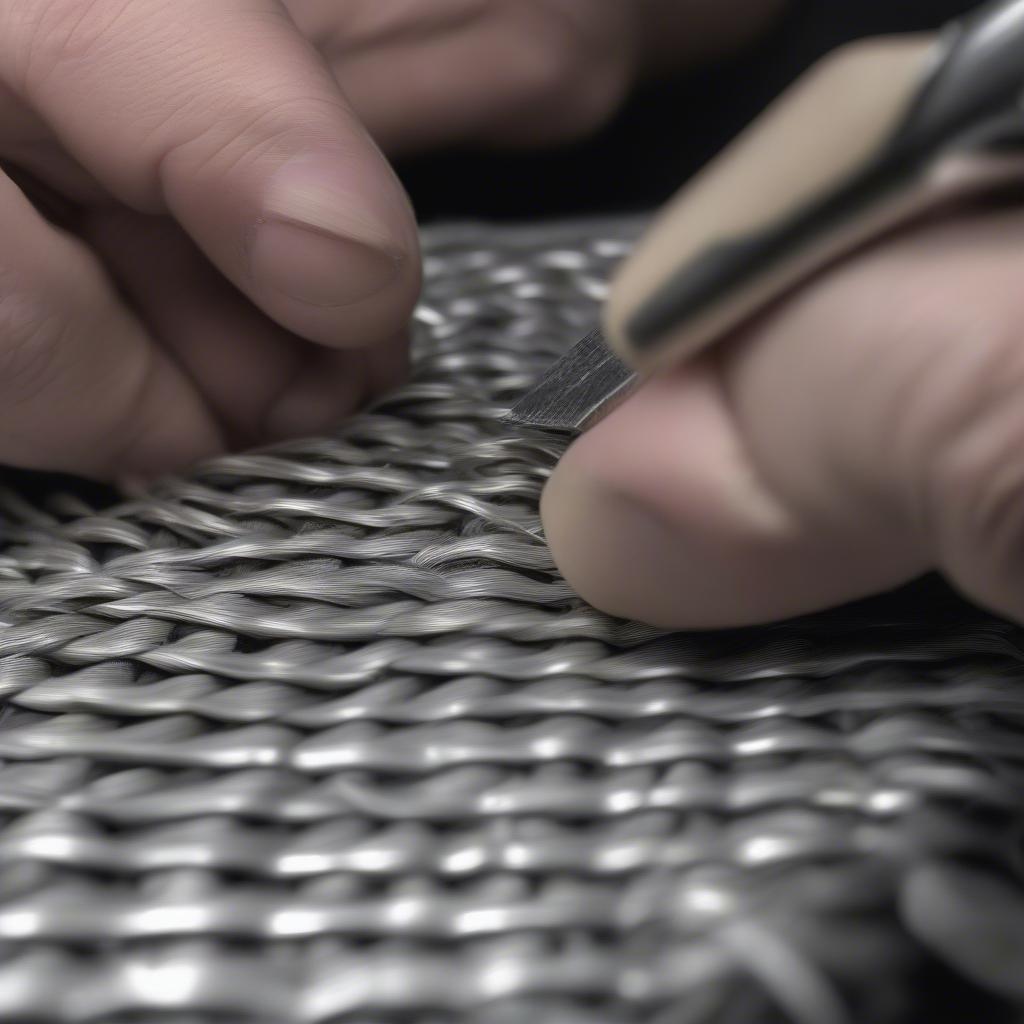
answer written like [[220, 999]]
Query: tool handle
[[876, 134]]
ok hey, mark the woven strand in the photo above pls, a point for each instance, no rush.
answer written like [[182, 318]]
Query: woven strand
[[317, 735]]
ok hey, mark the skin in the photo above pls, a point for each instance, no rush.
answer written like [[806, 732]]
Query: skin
[[202, 245], [868, 429]]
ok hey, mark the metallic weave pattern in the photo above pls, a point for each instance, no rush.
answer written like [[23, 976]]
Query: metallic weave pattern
[[319, 735]]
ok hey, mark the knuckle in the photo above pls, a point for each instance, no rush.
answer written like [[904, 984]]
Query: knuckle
[[54, 33]]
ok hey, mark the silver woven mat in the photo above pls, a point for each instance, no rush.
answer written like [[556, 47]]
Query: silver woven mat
[[318, 735]]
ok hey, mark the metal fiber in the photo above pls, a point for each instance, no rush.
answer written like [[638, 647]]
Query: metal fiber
[[318, 734]]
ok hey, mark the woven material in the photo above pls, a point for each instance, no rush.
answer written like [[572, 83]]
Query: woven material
[[320, 735]]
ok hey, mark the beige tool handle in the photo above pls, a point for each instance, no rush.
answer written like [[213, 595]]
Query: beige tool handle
[[824, 129]]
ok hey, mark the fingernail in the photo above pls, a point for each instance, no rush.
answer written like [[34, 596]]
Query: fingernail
[[320, 242]]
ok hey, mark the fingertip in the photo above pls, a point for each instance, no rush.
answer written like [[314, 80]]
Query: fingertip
[[334, 252], [629, 557], [658, 513], [165, 444], [330, 386], [655, 515], [240, 133], [601, 542]]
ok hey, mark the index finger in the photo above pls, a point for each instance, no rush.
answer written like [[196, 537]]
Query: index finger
[[223, 116]]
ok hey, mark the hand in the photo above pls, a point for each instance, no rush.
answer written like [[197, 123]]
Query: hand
[[235, 261], [222, 208], [510, 72], [865, 431]]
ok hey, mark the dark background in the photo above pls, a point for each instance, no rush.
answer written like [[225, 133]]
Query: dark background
[[664, 132]]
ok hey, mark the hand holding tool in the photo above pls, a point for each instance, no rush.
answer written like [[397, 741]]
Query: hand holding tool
[[877, 136]]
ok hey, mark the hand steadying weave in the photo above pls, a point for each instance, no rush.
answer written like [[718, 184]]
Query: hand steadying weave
[[228, 259], [235, 261]]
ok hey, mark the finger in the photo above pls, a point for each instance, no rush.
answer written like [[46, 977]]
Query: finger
[[916, 398], [661, 513], [326, 387], [224, 116], [263, 383], [511, 74], [83, 388], [28, 148], [865, 431]]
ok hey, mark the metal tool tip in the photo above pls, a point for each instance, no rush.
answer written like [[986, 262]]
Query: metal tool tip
[[577, 391]]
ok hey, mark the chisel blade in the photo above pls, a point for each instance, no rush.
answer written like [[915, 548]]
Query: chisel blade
[[578, 390]]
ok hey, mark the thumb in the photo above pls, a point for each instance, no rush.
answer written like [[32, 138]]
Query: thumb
[[867, 430], [224, 116]]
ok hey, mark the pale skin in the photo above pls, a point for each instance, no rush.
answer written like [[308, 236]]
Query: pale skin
[[228, 260], [233, 260]]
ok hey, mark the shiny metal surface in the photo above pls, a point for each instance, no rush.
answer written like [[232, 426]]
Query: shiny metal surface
[[319, 735], [578, 390]]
